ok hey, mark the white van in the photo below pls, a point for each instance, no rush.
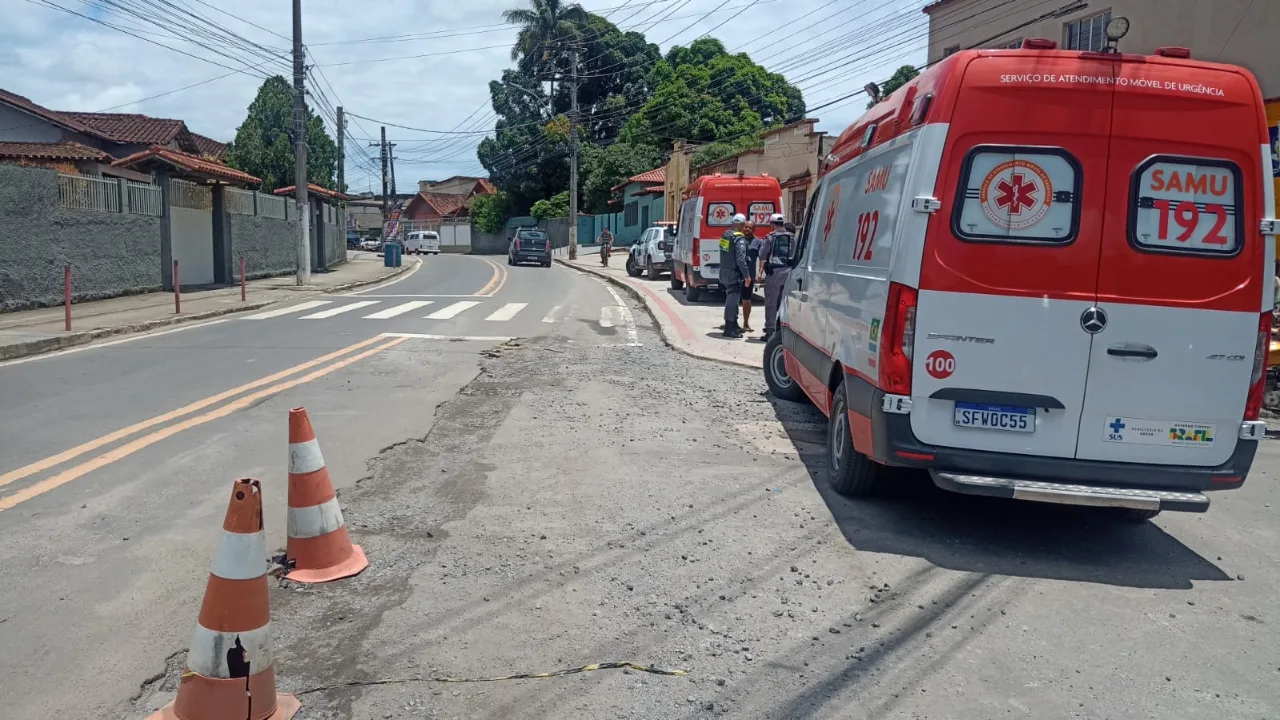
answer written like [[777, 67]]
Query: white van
[[422, 241], [1042, 275]]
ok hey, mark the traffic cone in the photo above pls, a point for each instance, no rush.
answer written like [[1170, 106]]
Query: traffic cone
[[230, 668], [319, 548]]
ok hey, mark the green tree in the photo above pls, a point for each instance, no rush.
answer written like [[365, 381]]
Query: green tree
[[901, 76], [263, 146], [605, 168], [489, 212], [556, 207], [546, 27]]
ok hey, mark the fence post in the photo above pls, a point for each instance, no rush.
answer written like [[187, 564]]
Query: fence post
[[255, 206], [242, 288], [66, 294], [177, 290], [123, 186]]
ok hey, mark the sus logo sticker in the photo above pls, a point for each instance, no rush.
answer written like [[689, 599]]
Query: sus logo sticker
[[1016, 194]]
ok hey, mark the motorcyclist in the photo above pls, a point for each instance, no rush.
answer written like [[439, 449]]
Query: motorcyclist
[[735, 273]]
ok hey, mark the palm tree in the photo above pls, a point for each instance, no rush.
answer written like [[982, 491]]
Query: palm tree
[[544, 28]]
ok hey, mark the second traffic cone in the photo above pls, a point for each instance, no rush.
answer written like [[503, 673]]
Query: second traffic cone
[[230, 668], [319, 548]]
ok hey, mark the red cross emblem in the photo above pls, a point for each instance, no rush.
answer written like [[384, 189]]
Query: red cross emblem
[[831, 220], [1016, 194], [721, 214]]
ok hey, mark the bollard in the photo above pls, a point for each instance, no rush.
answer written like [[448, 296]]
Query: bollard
[[242, 288], [66, 294], [177, 290]]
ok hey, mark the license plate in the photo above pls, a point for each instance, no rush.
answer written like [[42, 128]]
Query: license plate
[[995, 417]]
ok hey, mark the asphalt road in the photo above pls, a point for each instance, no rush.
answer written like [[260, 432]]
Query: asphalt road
[[116, 459], [585, 496]]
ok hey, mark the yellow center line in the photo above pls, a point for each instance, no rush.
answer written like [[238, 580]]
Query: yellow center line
[[496, 282], [55, 460], [130, 448]]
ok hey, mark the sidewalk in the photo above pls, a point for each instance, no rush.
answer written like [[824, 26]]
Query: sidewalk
[[30, 332], [689, 328]]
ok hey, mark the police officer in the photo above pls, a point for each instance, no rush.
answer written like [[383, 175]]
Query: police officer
[[735, 273], [775, 256]]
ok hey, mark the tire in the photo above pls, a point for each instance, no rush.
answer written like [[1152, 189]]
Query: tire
[[1137, 516], [775, 372], [546, 264], [632, 270], [676, 283], [849, 472], [509, 262], [692, 293], [652, 272]]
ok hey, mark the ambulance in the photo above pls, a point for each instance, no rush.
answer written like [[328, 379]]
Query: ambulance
[[1043, 275], [710, 202]]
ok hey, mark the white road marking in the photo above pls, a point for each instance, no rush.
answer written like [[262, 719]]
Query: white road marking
[[398, 310], [551, 316], [289, 310], [458, 338], [506, 312], [609, 316], [339, 310], [632, 337], [415, 295], [453, 310]]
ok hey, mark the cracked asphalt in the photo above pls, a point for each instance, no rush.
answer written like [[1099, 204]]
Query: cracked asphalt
[[578, 504]]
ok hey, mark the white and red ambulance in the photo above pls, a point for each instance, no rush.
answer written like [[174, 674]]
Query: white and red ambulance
[[710, 202], [1044, 275]]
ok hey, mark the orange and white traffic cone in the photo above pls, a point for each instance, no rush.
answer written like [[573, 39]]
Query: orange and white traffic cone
[[319, 548], [230, 668]]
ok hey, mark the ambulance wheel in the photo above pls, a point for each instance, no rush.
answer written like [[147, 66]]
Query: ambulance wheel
[[1138, 516], [850, 473], [775, 372], [692, 293], [676, 284]]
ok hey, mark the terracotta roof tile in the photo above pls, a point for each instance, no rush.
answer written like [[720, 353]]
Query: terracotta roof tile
[[209, 146], [445, 203], [657, 175], [130, 127], [486, 186], [190, 163], [65, 150], [314, 190]]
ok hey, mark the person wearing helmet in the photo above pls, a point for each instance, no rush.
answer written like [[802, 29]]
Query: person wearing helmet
[[775, 256], [735, 273]]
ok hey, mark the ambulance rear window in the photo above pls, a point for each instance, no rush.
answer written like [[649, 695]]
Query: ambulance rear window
[[720, 214], [1186, 205], [1018, 195]]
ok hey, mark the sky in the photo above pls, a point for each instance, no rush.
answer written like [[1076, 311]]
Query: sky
[[424, 64]]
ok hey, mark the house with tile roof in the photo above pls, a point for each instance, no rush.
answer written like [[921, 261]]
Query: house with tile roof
[[429, 207], [89, 142], [640, 199]]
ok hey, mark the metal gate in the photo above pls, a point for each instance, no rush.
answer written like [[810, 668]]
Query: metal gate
[[191, 230]]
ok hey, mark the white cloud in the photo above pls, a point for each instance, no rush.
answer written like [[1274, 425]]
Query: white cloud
[[70, 63]]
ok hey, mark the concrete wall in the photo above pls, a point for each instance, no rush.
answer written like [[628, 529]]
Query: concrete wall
[[1239, 32], [111, 253], [489, 244], [269, 246], [335, 235]]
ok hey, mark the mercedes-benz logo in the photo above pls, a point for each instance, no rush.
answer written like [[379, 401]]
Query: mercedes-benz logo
[[1094, 320]]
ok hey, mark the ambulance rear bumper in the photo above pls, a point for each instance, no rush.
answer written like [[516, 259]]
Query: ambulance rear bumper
[[1049, 479]]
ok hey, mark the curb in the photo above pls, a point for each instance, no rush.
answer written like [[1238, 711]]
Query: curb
[[665, 330], [62, 342]]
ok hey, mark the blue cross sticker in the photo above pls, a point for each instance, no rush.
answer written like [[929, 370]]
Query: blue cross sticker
[[1117, 426]]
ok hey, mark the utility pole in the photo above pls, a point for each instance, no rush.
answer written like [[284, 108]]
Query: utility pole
[[573, 159], [342, 157], [391, 158], [382, 152], [300, 149]]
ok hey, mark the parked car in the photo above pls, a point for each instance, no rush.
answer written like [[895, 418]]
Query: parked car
[[422, 242], [370, 244], [655, 254], [529, 245], [353, 240], [962, 303]]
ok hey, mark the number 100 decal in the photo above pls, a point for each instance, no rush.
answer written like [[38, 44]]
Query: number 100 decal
[[1187, 206]]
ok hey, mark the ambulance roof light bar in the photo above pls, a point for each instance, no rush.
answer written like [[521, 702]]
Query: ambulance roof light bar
[[1039, 44]]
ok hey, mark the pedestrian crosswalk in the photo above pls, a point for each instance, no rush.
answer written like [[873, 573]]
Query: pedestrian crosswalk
[[392, 309]]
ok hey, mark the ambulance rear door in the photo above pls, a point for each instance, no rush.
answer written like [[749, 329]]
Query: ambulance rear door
[[1182, 280], [1010, 263]]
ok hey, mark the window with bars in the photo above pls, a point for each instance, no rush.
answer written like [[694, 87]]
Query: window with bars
[[1088, 34], [1010, 45]]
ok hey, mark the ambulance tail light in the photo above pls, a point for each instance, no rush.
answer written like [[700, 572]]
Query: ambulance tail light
[[1039, 44], [697, 252], [897, 343], [1258, 381], [1174, 52]]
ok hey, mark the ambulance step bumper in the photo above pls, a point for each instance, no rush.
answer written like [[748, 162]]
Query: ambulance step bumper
[[1072, 494]]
